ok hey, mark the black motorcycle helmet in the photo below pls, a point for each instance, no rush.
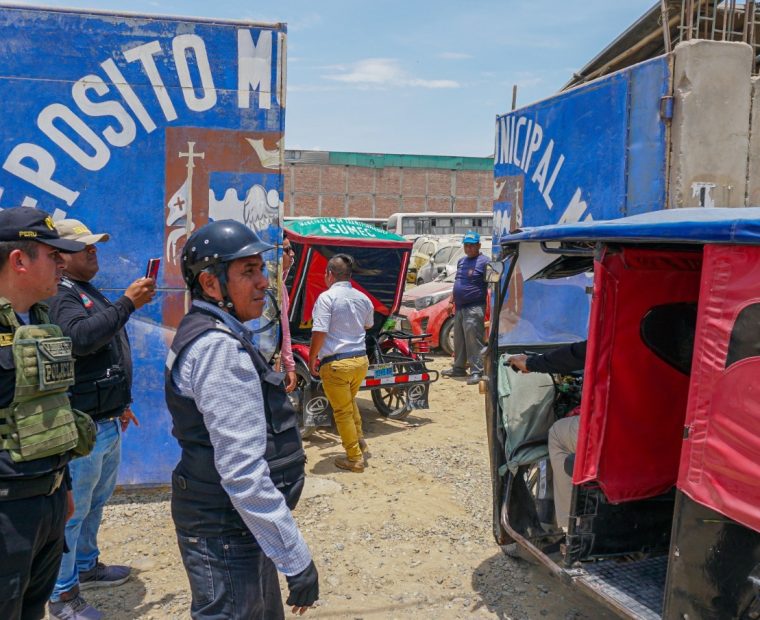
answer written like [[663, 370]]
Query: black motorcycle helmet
[[213, 246]]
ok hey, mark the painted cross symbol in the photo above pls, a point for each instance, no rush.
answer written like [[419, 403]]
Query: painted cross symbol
[[191, 155]]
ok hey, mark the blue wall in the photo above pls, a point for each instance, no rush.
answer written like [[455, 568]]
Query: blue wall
[[95, 122], [598, 151]]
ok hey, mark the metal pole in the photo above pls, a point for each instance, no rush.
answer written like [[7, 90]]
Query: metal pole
[[690, 20], [514, 96], [665, 25]]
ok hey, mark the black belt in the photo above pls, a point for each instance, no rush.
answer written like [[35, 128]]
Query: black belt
[[187, 484], [342, 356], [23, 488]]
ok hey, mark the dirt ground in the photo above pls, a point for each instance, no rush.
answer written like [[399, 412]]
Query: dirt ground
[[408, 538]]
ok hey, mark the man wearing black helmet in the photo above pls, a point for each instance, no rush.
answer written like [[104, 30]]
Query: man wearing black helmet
[[242, 463]]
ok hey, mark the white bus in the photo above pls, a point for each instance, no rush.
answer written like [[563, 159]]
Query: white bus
[[432, 223]]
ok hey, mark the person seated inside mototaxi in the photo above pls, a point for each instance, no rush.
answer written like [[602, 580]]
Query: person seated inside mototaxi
[[563, 434]]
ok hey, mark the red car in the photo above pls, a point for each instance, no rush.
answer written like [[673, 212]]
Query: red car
[[425, 309]]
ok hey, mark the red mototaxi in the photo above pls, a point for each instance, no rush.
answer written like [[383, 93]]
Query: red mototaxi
[[398, 377], [665, 515]]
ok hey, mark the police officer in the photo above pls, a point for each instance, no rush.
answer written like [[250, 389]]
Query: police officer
[[37, 427], [242, 464]]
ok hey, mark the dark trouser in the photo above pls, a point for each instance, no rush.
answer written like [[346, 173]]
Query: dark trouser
[[469, 338], [31, 546], [230, 578]]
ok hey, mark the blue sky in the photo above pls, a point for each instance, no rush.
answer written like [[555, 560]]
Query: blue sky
[[422, 77]]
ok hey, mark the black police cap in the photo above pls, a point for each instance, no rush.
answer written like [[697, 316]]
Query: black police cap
[[30, 224]]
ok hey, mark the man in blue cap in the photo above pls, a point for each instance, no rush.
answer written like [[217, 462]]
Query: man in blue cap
[[468, 302]]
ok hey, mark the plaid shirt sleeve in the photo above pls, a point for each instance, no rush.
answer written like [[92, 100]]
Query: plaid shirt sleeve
[[219, 375]]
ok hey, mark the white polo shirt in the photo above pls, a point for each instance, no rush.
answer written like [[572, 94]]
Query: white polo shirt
[[343, 313]]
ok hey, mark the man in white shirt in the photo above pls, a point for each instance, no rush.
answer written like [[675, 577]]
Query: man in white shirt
[[341, 316]]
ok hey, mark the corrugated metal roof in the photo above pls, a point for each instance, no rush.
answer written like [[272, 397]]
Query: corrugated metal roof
[[686, 20], [641, 41], [307, 157]]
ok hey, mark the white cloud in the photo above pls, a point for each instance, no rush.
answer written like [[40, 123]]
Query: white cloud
[[370, 71], [313, 88], [381, 73], [527, 79], [307, 21], [454, 56], [433, 83]]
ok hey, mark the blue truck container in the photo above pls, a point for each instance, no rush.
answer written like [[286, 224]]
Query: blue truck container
[[145, 127], [597, 151]]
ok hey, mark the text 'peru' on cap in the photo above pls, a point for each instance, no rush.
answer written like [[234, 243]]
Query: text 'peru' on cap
[[30, 224]]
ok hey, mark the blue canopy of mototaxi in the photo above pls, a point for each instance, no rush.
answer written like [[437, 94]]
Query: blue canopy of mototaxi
[[739, 225]]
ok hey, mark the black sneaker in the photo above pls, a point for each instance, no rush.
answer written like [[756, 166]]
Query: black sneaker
[[102, 576], [454, 372]]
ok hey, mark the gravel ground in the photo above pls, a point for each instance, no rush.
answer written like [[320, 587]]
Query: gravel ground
[[410, 536]]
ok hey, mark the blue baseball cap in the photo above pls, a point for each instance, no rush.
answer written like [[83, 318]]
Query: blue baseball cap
[[471, 237]]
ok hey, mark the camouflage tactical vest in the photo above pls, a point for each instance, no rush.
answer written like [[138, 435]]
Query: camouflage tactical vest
[[39, 422]]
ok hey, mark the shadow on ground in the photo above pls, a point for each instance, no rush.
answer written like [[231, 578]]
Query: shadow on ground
[[128, 601], [510, 587], [373, 423], [141, 494]]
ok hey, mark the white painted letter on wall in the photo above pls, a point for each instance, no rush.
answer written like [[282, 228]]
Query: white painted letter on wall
[[254, 68], [193, 42]]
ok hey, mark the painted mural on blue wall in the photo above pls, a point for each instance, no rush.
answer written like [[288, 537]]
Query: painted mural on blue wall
[[598, 151], [146, 128]]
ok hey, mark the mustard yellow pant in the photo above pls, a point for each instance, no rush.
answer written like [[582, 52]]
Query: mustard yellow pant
[[341, 380]]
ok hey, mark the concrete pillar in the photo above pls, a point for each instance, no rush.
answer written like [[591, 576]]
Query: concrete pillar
[[292, 196], [346, 174], [374, 192], [753, 166], [453, 192], [710, 127], [319, 195]]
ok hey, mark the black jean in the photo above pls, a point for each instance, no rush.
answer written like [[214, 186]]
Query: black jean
[[31, 546], [230, 578]]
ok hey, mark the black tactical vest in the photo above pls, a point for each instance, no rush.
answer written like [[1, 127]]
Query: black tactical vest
[[200, 505], [102, 388]]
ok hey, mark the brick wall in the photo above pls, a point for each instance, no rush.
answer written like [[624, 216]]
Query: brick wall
[[320, 189]]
